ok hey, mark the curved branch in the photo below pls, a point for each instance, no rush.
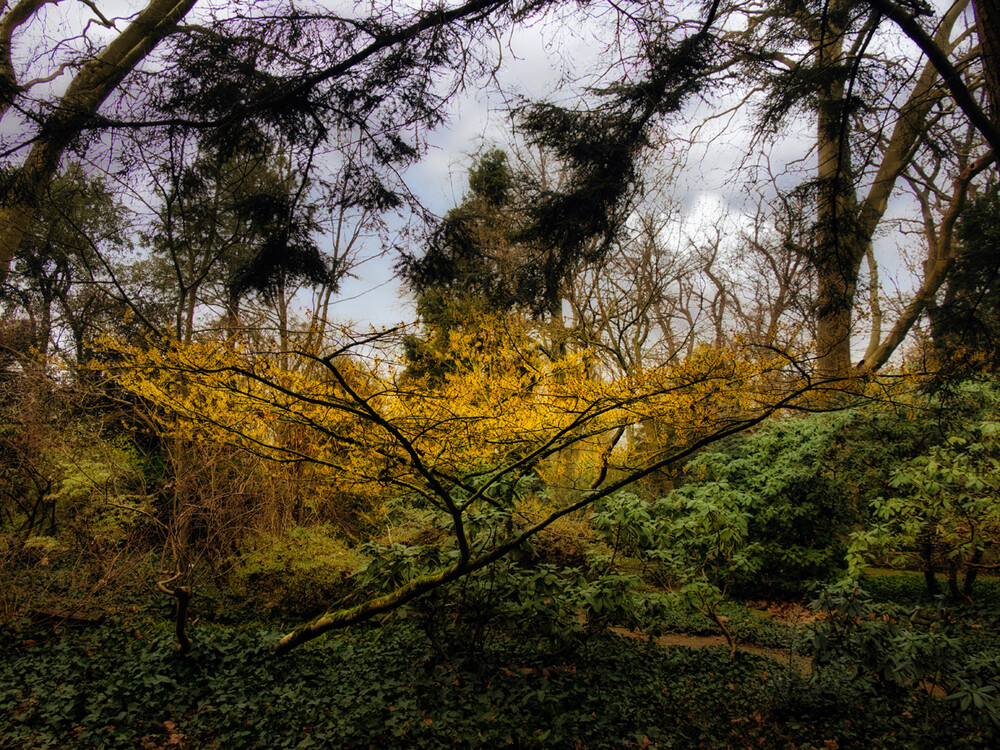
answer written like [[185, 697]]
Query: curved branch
[[952, 78], [415, 588], [937, 270]]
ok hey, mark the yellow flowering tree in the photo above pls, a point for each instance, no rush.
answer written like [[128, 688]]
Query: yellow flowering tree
[[455, 445]]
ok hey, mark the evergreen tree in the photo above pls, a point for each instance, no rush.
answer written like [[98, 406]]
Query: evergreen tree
[[965, 326], [470, 267]]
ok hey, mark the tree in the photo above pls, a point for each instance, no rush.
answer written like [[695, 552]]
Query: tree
[[838, 77], [966, 324], [471, 253], [59, 264], [824, 60], [951, 76], [231, 224], [600, 150], [940, 506], [374, 78], [470, 268], [988, 27], [58, 123], [457, 447], [320, 77]]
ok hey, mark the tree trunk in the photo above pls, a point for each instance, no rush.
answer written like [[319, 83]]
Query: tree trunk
[[953, 591], [930, 577], [838, 252], [987, 14], [845, 227], [971, 571]]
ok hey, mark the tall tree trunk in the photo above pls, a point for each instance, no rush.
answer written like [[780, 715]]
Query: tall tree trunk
[[845, 226], [838, 251], [88, 90]]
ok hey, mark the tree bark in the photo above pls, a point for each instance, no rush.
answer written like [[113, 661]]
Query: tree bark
[[845, 226], [987, 14], [88, 90], [837, 253]]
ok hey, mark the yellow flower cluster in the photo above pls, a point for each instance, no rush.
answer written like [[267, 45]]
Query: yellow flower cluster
[[508, 410]]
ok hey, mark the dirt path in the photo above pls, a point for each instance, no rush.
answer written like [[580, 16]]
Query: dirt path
[[802, 663]]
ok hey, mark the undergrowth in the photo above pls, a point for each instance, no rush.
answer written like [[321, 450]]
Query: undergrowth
[[123, 687]]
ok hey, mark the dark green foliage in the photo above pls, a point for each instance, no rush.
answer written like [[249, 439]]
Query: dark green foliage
[[796, 497], [469, 269], [966, 325], [541, 235], [553, 604], [470, 254], [924, 472], [377, 81], [287, 251], [238, 218], [665, 615], [884, 642], [903, 649], [601, 150], [909, 588], [114, 686]]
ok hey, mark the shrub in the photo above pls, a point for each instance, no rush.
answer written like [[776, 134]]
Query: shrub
[[798, 505], [297, 574]]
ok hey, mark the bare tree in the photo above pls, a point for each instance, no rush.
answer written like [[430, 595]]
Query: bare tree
[[872, 110]]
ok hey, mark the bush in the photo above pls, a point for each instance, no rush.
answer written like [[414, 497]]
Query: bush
[[297, 575], [909, 650], [798, 506], [550, 603]]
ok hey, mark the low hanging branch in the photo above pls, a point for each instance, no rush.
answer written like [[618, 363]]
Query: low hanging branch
[[424, 584], [485, 428]]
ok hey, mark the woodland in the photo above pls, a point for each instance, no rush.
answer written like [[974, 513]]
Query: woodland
[[621, 483]]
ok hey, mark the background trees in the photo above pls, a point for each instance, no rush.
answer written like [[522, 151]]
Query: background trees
[[963, 324], [55, 283], [322, 80], [229, 225]]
